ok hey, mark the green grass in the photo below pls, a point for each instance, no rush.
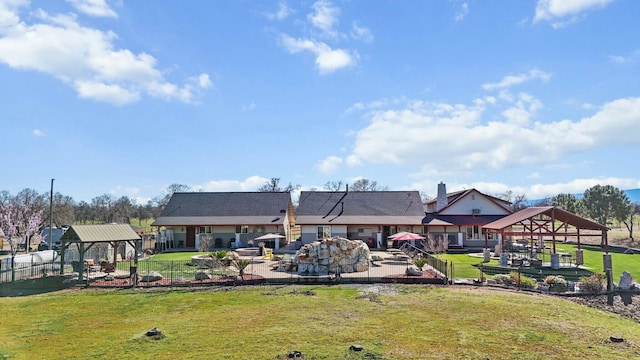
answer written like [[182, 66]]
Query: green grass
[[592, 260], [416, 322]]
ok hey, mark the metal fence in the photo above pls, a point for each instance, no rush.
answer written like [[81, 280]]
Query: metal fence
[[176, 273]]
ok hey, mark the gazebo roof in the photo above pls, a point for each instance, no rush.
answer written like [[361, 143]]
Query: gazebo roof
[[550, 211], [99, 233]]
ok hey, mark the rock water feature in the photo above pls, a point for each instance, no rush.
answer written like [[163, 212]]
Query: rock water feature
[[332, 256]]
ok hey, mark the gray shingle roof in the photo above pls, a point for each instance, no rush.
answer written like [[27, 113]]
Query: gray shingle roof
[[225, 208], [360, 207]]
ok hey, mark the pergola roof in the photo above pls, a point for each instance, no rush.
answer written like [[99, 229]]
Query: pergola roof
[[551, 212], [99, 233]]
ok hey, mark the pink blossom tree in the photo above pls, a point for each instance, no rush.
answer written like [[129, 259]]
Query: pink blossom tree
[[18, 225]]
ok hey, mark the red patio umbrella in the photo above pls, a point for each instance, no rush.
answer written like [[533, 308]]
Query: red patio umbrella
[[407, 236]]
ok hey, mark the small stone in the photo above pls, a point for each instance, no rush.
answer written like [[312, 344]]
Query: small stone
[[616, 339], [356, 347], [202, 276], [154, 332]]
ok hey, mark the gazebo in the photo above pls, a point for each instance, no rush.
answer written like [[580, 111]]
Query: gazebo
[[549, 221], [85, 236]]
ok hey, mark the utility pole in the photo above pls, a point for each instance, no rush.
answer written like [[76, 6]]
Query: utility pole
[[51, 217]]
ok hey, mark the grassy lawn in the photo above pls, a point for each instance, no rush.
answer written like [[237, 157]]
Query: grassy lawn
[[411, 322], [592, 259]]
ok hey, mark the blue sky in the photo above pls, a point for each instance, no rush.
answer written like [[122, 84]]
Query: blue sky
[[128, 97]]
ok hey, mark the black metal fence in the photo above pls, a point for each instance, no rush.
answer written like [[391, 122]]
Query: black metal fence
[[176, 273]]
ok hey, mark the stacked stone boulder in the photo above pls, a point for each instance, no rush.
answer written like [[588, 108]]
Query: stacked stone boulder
[[333, 256]]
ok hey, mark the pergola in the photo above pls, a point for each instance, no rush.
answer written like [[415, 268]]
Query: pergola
[[85, 236], [548, 221]]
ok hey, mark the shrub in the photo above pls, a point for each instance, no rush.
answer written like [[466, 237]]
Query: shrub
[[527, 282], [420, 262], [221, 254], [556, 283], [592, 284], [503, 279]]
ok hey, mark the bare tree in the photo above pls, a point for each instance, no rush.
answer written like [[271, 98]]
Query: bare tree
[[367, 185], [334, 185], [434, 246], [123, 208], [63, 210], [162, 200], [273, 185], [102, 208], [518, 201], [635, 210]]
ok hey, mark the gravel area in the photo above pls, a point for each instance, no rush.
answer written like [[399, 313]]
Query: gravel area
[[631, 311]]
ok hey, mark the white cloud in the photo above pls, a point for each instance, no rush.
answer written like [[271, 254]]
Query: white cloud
[[329, 165], [511, 80], [86, 59], [629, 59], [532, 192], [361, 33], [327, 59], [524, 106], [282, 13], [252, 183], [325, 17], [454, 138], [462, 12], [563, 12], [249, 107], [38, 132], [93, 7]]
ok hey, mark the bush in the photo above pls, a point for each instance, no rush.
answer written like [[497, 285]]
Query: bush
[[592, 284], [503, 279], [420, 262], [221, 254], [528, 282], [556, 283]]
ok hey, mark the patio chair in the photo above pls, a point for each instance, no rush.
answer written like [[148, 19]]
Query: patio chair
[[267, 253], [90, 266]]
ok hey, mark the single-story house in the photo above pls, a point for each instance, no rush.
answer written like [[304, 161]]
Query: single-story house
[[205, 220], [370, 216], [459, 217]]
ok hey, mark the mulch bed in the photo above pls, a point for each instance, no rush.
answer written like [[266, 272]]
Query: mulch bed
[[427, 277], [247, 279]]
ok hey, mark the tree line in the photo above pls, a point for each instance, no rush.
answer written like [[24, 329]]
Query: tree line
[[28, 212]]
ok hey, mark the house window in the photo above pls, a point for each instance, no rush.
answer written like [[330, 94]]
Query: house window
[[242, 229], [204, 230], [324, 232], [473, 232]]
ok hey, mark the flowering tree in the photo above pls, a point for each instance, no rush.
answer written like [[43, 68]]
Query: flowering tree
[[18, 226]]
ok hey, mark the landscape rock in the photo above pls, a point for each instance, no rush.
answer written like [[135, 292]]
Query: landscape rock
[[336, 255], [151, 277], [413, 270], [626, 282], [200, 276]]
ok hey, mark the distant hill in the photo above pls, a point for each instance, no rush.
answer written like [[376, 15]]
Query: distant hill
[[633, 194]]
